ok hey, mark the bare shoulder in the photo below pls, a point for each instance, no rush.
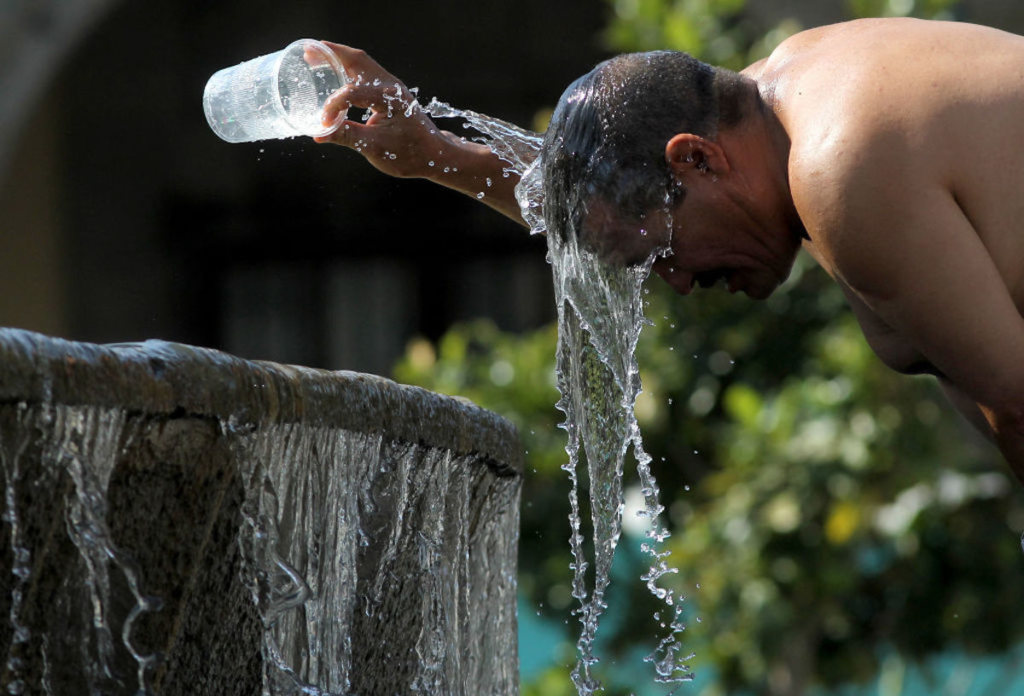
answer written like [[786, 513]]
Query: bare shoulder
[[903, 194], [884, 134], [894, 68], [866, 186], [836, 189]]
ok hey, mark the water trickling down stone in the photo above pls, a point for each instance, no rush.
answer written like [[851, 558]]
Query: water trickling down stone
[[299, 530]]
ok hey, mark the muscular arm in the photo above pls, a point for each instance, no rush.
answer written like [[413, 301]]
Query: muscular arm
[[967, 407], [903, 245], [892, 349], [399, 139]]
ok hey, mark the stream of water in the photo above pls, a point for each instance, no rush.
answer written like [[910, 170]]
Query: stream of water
[[600, 317]]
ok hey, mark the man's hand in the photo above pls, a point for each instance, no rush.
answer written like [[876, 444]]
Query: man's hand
[[400, 139], [397, 138], [1008, 430]]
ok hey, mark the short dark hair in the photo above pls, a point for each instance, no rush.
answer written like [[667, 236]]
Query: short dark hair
[[608, 133]]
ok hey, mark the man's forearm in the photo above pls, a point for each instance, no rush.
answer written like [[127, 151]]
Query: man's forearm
[[968, 408], [1005, 430], [1012, 447], [1008, 428], [473, 169], [400, 139]]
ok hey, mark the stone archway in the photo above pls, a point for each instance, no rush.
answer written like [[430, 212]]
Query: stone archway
[[35, 36]]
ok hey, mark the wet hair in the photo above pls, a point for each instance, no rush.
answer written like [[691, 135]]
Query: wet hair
[[608, 134]]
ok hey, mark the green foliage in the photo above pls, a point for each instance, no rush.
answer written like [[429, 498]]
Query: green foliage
[[849, 510], [713, 30], [724, 32], [932, 9]]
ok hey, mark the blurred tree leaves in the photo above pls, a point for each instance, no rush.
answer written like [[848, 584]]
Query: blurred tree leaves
[[828, 514], [713, 30]]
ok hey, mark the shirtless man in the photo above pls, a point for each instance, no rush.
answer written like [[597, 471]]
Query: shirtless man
[[891, 150]]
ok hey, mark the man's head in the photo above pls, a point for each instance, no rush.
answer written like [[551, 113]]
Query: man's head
[[625, 140], [608, 134]]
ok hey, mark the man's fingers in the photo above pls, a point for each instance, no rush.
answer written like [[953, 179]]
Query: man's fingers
[[379, 97], [359, 66], [355, 57], [343, 135], [349, 134], [336, 105], [370, 86]]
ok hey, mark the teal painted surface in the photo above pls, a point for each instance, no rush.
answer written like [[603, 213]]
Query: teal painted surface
[[545, 635], [540, 639]]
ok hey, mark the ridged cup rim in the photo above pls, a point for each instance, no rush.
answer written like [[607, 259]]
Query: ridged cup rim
[[335, 64]]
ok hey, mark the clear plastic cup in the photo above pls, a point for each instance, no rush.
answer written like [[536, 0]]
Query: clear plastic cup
[[279, 95]]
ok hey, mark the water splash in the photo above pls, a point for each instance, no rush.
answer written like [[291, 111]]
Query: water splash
[[600, 317], [514, 145]]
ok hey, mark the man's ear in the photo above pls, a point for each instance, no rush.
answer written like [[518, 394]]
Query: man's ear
[[689, 154]]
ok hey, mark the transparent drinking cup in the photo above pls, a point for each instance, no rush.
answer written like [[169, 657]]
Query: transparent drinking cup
[[279, 95]]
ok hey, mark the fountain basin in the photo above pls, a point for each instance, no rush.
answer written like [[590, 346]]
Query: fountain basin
[[181, 521]]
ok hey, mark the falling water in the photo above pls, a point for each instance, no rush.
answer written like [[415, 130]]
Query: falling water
[[600, 316], [379, 544], [21, 555], [83, 445], [326, 510]]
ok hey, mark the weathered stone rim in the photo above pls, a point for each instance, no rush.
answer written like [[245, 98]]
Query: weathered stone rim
[[160, 377]]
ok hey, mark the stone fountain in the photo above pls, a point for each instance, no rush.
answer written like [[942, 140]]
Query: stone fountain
[[181, 521]]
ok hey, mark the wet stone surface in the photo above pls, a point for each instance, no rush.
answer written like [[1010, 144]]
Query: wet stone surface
[[179, 521]]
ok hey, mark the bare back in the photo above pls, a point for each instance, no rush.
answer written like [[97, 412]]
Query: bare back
[[948, 96], [895, 124]]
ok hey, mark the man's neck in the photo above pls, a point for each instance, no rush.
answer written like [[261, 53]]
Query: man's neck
[[759, 147]]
